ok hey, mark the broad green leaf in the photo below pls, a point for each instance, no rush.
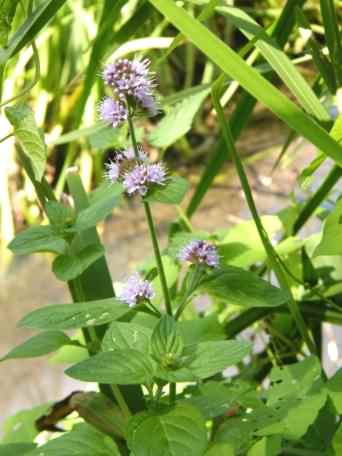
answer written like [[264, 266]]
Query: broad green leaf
[[7, 12], [58, 214], [21, 426], [279, 61], [68, 267], [30, 28], [177, 431], [41, 344], [38, 239], [108, 137], [242, 247], [205, 360], [235, 67], [334, 387], [214, 399], [97, 129], [121, 335], [178, 120], [243, 288], [77, 315], [82, 440], [123, 367], [268, 446], [220, 449], [337, 441], [172, 192], [166, 342], [99, 411], [99, 209], [201, 330], [28, 136], [16, 449], [331, 242]]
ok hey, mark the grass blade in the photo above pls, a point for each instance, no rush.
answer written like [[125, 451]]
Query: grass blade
[[271, 254]]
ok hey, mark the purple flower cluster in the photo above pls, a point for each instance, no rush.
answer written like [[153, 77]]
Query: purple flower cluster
[[200, 252], [138, 178], [136, 290], [129, 79]]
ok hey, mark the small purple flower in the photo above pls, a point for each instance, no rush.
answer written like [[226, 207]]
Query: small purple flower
[[112, 171], [138, 179], [136, 290], [156, 173], [135, 181], [201, 252], [132, 79], [113, 112]]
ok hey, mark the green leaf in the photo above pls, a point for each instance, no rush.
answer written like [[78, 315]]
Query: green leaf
[[205, 360], [178, 431], [279, 61], [201, 330], [77, 315], [220, 449], [268, 446], [21, 426], [332, 233], [334, 387], [58, 214], [178, 120], [123, 367], [7, 12], [41, 344], [68, 267], [235, 67], [82, 440], [106, 137], [28, 136], [242, 247], [214, 399], [99, 411], [38, 239], [243, 288], [120, 336], [16, 449], [166, 342], [171, 193], [99, 209], [30, 28]]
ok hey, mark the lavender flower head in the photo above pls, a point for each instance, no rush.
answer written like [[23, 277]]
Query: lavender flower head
[[132, 79], [200, 252], [136, 290], [138, 179], [112, 171], [113, 112]]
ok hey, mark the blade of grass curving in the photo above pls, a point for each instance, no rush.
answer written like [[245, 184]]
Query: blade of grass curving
[[205, 14], [242, 112], [30, 28], [317, 198], [96, 283], [322, 63], [332, 35], [279, 61], [250, 79], [271, 254]]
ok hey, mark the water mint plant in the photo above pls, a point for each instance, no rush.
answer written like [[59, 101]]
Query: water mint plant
[[156, 376]]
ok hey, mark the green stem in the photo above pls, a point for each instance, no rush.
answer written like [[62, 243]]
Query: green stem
[[172, 395], [272, 256], [121, 401], [194, 279], [152, 229]]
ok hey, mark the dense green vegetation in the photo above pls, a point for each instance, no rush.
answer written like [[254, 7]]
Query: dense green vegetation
[[155, 360]]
